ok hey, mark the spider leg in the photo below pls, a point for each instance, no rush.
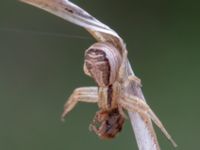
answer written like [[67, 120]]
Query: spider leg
[[121, 111], [135, 79], [135, 104], [122, 69], [123, 74], [83, 94]]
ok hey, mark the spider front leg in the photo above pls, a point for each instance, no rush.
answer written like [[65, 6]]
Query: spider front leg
[[84, 94], [123, 74], [135, 104]]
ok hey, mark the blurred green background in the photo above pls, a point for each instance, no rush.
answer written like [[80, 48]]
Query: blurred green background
[[39, 71]]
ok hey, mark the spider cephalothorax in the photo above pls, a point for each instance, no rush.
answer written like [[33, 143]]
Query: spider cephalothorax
[[107, 123]]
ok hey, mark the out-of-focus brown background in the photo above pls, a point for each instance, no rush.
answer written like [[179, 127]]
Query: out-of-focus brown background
[[39, 68]]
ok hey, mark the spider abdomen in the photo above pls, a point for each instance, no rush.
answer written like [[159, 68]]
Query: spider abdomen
[[98, 66], [102, 62]]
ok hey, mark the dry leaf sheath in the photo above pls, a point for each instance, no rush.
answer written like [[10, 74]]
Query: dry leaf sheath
[[118, 89]]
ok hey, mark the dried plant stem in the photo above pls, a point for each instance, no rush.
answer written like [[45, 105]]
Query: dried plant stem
[[144, 132]]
